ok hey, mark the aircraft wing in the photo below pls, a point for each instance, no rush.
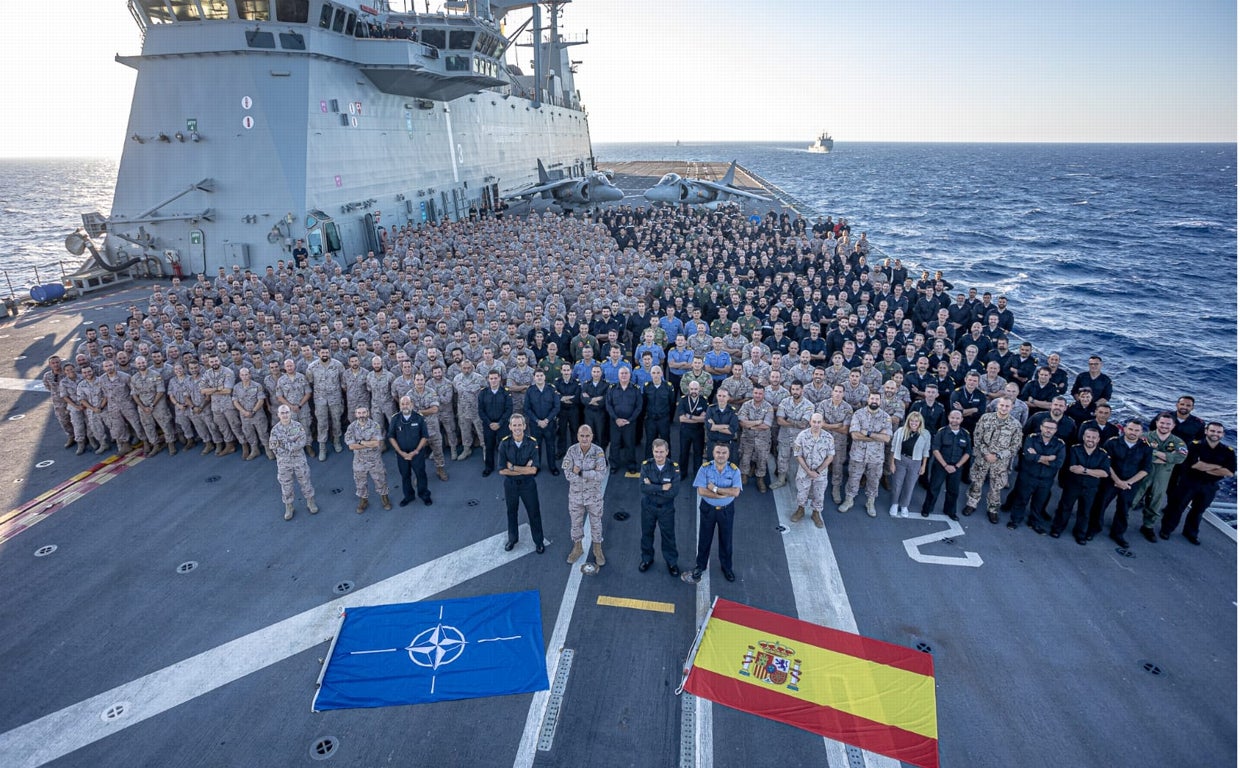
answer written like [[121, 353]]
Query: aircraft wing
[[727, 190], [538, 189]]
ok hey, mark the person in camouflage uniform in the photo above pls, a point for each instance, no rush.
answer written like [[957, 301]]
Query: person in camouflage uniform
[[814, 449], [217, 382], [365, 439], [996, 440], [121, 415], [447, 408], [379, 382], [180, 389], [467, 385], [426, 402], [756, 417], [289, 440], [837, 419], [249, 398], [201, 412], [585, 467], [519, 379], [51, 382], [353, 379], [327, 385], [793, 415], [870, 431], [293, 390], [149, 394], [94, 399], [68, 386]]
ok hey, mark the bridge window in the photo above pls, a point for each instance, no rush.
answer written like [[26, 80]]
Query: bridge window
[[457, 63], [293, 11], [435, 38], [256, 39], [325, 17], [291, 41], [348, 25], [461, 41], [254, 10], [157, 11], [185, 10], [338, 22], [215, 9]]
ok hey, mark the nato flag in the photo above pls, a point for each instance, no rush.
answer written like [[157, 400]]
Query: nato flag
[[438, 650]]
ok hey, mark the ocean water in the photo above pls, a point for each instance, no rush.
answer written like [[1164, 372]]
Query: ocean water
[[1127, 251]]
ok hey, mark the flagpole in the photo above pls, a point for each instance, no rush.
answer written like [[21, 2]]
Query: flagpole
[[318, 684], [697, 641]]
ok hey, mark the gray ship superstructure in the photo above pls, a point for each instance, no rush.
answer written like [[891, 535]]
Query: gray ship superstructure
[[258, 122]]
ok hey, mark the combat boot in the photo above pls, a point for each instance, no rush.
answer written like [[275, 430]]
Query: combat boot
[[101, 448], [310, 451], [465, 454], [338, 446], [800, 513], [847, 505], [314, 508], [387, 503], [70, 442], [207, 448], [780, 481], [323, 451], [271, 455], [441, 473], [362, 504], [189, 443], [230, 448], [147, 449], [869, 508], [836, 494], [575, 552], [219, 449], [122, 448], [81, 447], [288, 511], [817, 518], [251, 452], [761, 481], [744, 478], [172, 448], [599, 559]]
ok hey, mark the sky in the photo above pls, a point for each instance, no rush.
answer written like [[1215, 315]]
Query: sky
[[768, 70]]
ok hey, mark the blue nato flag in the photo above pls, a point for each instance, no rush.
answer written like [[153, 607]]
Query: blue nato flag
[[438, 650]]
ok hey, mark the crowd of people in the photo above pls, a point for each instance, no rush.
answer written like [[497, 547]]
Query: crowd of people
[[755, 346]]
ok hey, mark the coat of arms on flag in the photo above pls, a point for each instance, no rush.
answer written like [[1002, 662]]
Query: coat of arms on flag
[[864, 692], [437, 650]]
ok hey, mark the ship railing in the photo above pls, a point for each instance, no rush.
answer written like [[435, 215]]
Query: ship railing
[[19, 280]]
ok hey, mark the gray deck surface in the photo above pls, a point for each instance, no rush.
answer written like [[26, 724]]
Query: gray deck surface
[[1038, 653]]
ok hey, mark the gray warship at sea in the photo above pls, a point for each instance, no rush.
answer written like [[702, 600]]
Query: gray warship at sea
[[159, 612]]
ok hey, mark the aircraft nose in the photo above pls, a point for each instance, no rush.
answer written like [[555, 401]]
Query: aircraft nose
[[660, 195], [609, 194]]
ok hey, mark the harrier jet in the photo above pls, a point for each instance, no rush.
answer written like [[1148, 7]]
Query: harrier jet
[[588, 190], [673, 189]]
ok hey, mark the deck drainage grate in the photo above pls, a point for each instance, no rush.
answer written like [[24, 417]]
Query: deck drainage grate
[[948, 541], [781, 528], [45, 463], [343, 587], [558, 687], [45, 550], [1124, 552], [187, 566], [324, 748], [856, 758], [213, 479], [688, 730], [925, 647], [1153, 669], [471, 503], [115, 711], [337, 491]]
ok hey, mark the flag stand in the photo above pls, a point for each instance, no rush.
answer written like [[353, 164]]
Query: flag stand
[[318, 684], [693, 649]]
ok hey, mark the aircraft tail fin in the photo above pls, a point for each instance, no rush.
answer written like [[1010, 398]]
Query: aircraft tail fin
[[728, 177], [543, 178]]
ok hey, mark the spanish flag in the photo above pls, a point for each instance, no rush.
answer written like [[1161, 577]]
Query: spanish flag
[[871, 694]]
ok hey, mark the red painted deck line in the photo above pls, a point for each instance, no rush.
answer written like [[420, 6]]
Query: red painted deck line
[[45, 504]]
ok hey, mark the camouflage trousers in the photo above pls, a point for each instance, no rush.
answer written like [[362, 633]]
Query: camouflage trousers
[[327, 417], [120, 421], [96, 426], [184, 422], [450, 429], [290, 469], [811, 491], [62, 415], [204, 425], [228, 422], [77, 420], [755, 448], [840, 460], [471, 429], [369, 468], [997, 474], [783, 458], [872, 471], [577, 511], [159, 418], [254, 431], [435, 438]]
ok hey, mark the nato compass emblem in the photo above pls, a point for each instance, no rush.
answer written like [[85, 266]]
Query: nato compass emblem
[[436, 646], [772, 663]]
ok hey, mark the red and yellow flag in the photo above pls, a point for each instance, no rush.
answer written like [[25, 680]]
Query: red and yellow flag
[[871, 694]]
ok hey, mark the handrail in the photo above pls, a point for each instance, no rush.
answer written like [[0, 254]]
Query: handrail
[[35, 274]]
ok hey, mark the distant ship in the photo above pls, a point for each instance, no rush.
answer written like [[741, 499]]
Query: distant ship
[[257, 124], [823, 144]]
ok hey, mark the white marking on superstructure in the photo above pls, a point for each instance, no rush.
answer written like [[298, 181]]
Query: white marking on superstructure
[[913, 546], [60, 733], [447, 116], [528, 746], [818, 587]]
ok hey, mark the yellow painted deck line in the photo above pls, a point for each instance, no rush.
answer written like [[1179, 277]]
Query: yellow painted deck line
[[640, 605]]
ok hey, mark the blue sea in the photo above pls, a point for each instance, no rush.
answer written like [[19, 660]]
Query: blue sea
[[1127, 251]]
